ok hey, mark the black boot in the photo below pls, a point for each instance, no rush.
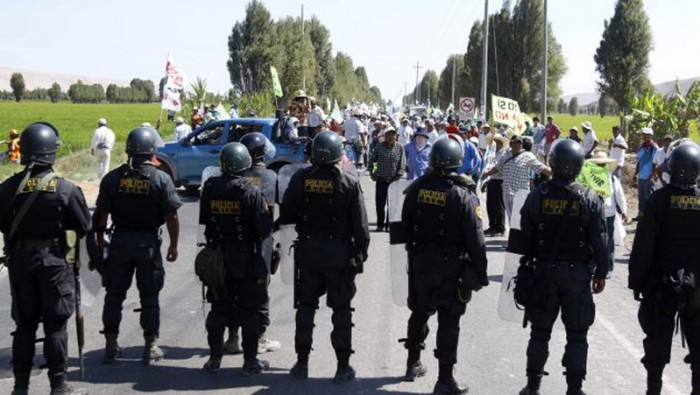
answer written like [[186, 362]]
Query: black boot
[[449, 387], [534, 380], [254, 366], [415, 370], [344, 374], [300, 370], [216, 353], [65, 389], [695, 369], [574, 384], [654, 380]]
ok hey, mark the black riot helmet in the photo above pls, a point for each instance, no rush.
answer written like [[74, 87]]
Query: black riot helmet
[[566, 159], [235, 158], [446, 154], [141, 141], [255, 143], [39, 143], [684, 165], [327, 149]]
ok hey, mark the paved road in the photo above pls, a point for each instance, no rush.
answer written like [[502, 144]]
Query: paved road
[[491, 351]]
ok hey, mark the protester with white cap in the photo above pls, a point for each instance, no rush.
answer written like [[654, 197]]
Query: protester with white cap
[[315, 117], [101, 147], [615, 201], [644, 171], [590, 140], [181, 129], [618, 147]]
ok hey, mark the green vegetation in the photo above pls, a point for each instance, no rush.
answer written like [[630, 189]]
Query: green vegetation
[[76, 122]]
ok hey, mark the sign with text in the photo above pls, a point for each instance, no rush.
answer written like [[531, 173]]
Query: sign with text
[[505, 111]]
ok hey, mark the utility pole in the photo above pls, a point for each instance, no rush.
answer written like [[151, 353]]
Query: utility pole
[[405, 92], [454, 63], [484, 59], [544, 65], [416, 93], [303, 69]]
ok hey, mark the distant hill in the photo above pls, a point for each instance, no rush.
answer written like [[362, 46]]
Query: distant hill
[[663, 88], [40, 79]]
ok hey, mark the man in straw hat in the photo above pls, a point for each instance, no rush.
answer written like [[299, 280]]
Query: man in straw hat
[[299, 108], [181, 129], [495, 207], [590, 140], [614, 202]]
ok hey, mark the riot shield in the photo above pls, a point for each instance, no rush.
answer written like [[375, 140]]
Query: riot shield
[[285, 174], [267, 181], [287, 236], [507, 309], [397, 250], [209, 171], [90, 280]]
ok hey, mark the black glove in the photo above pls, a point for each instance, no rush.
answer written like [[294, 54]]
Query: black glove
[[357, 266], [276, 258]]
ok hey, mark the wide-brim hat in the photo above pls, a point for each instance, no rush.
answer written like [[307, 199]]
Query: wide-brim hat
[[179, 120], [601, 158], [422, 132], [586, 125], [300, 93], [498, 137]]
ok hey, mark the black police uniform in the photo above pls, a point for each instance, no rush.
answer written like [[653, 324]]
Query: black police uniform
[[138, 199], [266, 179], [445, 242], [666, 242], [327, 206], [562, 232], [235, 214], [41, 279]]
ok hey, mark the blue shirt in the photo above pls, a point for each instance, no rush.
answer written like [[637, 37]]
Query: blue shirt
[[645, 157], [417, 161], [472, 160], [538, 133]]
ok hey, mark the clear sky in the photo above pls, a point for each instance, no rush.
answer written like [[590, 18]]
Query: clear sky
[[128, 38]]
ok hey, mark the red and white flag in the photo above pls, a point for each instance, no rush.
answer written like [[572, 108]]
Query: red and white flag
[[174, 86]]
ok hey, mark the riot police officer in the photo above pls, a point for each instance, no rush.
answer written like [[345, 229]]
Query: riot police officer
[[441, 220], [140, 198], [664, 270], [327, 207], [38, 207], [258, 174], [236, 217], [562, 239]]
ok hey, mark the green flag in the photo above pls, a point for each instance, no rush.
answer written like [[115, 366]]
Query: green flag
[[595, 177], [276, 82]]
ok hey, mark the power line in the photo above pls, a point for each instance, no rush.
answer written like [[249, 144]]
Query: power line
[[416, 93]]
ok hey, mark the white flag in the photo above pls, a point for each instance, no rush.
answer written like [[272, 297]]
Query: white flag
[[174, 85]]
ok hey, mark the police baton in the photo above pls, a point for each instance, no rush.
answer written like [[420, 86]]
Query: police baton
[[73, 256]]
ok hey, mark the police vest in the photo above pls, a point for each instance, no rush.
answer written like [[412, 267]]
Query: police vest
[[434, 215], [265, 179], [231, 214], [46, 218], [561, 231], [323, 216], [137, 201], [678, 244]]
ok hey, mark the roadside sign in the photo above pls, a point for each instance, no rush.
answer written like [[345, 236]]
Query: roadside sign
[[466, 106]]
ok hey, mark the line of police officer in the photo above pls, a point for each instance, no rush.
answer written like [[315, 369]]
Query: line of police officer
[[562, 240]]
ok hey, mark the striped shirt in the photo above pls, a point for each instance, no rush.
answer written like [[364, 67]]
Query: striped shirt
[[516, 170]]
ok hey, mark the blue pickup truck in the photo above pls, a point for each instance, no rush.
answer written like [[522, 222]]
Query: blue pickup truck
[[185, 160]]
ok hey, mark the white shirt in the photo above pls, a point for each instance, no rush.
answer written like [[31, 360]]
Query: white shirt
[[433, 135], [103, 138], [482, 141], [352, 127], [588, 140], [617, 196], [658, 159], [315, 117], [404, 134], [233, 113], [619, 153], [181, 131]]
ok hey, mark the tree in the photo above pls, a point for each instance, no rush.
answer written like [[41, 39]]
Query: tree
[[445, 81], [323, 53], [17, 85], [252, 50], [55, 92], [561, 106], [573, 106], [429, 88], [296, 64], [622, 58]]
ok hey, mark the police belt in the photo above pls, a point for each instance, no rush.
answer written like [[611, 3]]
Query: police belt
[[561, 262], [136, 229], [323, 236], [445, 247], [38, 244]]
